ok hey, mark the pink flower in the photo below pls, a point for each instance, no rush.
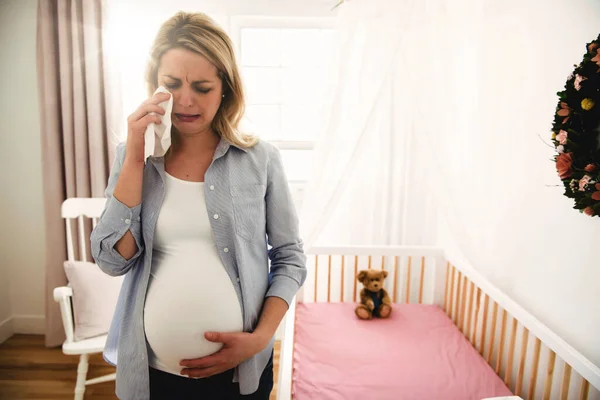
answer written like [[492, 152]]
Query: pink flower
[[589, 211], [584, 181], [562, 137], [590, 168], [596, 195], [564, 111], [578, 80], [563, 165]]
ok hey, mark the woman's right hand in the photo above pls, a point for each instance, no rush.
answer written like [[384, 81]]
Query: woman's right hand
[[139, 121]]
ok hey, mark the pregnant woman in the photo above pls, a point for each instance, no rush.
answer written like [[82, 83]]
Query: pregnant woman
[[203, 293]]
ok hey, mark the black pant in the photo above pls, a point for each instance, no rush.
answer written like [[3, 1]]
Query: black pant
[[165, 386]]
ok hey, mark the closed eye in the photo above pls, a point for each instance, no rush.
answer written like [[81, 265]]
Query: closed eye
[[174, 86]]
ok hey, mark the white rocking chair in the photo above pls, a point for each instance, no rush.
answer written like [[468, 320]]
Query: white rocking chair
[[79, 208]]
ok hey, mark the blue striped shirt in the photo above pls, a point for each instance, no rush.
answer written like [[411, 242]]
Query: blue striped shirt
[[257, 226]]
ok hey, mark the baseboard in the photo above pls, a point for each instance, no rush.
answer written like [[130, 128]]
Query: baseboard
[[29, 324], [6, 329]]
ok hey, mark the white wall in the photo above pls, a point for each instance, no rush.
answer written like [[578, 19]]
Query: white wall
[[21, 204], [526, 238]]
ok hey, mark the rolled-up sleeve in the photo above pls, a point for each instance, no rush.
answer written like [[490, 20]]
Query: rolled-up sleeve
[[288, 261], [114, 222]]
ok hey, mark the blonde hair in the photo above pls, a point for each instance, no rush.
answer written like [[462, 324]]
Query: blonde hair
[[199, 33]]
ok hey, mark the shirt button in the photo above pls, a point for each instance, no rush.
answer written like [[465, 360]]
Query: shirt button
[[127, 221], [212, 187], [216, 216], [238, 279], [226, 250]]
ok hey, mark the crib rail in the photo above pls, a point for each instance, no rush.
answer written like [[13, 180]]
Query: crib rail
[[332, 273], [533, 361]]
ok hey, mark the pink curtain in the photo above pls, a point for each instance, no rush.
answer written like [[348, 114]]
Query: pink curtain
[[76, 146]]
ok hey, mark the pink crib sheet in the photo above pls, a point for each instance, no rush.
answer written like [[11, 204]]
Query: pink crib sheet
[[416, 354]]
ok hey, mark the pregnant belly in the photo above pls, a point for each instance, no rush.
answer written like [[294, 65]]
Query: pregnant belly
[[184, 300]]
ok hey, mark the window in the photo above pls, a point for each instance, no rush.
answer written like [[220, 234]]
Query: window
[[283, 65]]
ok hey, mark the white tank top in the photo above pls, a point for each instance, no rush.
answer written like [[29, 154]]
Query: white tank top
[[189, 291]]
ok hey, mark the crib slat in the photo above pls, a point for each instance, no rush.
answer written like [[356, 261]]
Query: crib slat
[[534, 368], [501, 345], [463, 303], [329, 278], [408, 280], [486, 301], [476, 319], [549, 375], [564, 387], [395, 278], [94, 222], [456, 314], [521, 370], [316, 275], [585, 389], [491, 345], [370, 261], [451, 305], [511, 353], [383, 263], [342, 282], [446, 286], [469, 310], [422, 280]]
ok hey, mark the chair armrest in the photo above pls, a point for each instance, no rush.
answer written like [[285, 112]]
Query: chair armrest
[[62, 295]]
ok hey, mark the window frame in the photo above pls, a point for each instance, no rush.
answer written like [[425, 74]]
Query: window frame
[[237, 23]]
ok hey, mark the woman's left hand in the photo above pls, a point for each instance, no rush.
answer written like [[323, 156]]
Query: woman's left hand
[[237, 348]]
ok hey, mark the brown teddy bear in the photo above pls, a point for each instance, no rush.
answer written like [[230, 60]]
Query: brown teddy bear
[[374, 299]]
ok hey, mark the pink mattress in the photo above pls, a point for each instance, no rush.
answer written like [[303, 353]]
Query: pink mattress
[[416, 354]]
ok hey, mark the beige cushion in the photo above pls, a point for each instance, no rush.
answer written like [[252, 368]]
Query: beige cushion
[[95, 297]]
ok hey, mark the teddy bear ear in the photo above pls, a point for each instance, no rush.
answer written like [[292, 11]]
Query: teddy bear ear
[[361, 275], [384, 273]]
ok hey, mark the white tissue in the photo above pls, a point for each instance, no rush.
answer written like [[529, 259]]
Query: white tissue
[[158, 137]]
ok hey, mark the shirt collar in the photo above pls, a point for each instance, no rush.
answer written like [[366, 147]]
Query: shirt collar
[[222, 147]]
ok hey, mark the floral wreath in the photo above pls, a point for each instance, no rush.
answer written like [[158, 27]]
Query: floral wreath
[[576, 133]]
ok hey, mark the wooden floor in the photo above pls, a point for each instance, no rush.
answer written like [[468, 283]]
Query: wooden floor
[[29, 370]]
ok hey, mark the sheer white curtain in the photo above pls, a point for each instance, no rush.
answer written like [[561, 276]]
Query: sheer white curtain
[[369, 185], [445, 105]]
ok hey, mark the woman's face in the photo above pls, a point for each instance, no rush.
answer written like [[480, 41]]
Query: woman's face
[[196, 88]]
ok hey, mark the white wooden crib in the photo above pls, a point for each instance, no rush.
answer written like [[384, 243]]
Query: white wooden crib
[[532, 361]]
